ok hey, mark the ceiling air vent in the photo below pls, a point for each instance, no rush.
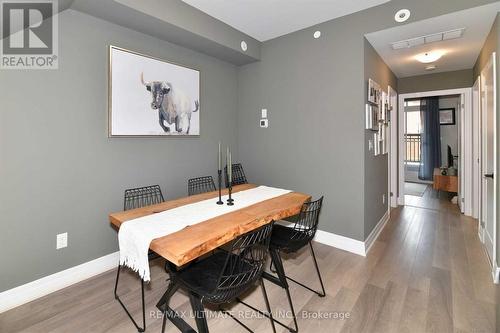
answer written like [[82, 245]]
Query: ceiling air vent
[[427, 39]]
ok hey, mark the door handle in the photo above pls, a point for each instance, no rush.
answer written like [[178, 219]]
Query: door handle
[[489, 175]]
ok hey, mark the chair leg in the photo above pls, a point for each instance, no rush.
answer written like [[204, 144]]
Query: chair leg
[[323, 293], [280, 281], [229, 314], [169, 313], [271, 268], [199, 313], [140, 329], [320, 294], [268, 307], [278, 264]]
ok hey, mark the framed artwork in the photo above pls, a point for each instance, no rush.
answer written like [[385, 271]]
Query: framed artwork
[[383, 107], [374, 92], [372, 117], [376, 144], [447, 116], [151, 97]]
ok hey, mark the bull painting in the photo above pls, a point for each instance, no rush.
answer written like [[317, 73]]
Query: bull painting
[[152, 97], [173, 105]]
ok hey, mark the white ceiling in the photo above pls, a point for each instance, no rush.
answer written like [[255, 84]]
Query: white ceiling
[[460, 53], [267, 19]]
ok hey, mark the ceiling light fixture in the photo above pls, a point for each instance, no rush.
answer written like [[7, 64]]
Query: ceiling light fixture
[[429, 57], [244, 46], [402, 15], [317, 34]]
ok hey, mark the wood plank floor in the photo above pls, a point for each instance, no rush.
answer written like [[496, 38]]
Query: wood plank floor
[[427, 272]]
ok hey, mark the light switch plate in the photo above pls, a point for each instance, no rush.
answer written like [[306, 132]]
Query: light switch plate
[[264, 113], [61, 241]]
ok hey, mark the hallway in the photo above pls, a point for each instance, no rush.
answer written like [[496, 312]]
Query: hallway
[[432, 199], [427, 272]]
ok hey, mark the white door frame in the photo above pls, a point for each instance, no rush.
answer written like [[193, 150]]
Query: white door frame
[[476, 158], [465, 188], [393, 151]]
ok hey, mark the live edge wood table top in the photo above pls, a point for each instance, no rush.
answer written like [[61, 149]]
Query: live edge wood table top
[[194, 241]]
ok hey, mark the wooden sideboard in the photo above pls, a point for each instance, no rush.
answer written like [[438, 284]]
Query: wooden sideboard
[[445, 182]]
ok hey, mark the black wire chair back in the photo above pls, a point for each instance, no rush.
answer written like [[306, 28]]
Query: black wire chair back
[[201, 185], [238, 175], [142, 196], [244, 265], [306, 225]]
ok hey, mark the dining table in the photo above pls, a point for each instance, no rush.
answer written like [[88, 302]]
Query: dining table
[[194, 241]]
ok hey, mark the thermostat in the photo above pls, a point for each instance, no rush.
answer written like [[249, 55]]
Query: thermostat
[[264, 123]]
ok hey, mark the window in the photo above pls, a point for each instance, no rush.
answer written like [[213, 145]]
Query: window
[[413, 131]]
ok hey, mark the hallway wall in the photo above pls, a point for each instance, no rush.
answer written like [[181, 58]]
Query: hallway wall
[[437, 81]]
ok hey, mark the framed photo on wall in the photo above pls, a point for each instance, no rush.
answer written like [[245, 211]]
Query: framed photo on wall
[[371, 117], [374, 92], [447, 116], [151, 97]]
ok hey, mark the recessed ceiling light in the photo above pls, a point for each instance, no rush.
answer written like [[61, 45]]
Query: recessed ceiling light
[[317, 34], [429, 57], [244, 45], [402, 15], [430, 67]]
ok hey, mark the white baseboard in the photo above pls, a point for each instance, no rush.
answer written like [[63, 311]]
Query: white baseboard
[[340, 242], [30, 291], [372, 237], [495, 273], [349, 244]]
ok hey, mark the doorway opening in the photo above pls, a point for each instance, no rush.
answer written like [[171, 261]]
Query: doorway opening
[[435, 160], [431, 138]]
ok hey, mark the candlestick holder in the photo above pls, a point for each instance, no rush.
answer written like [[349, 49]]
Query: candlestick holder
[[220, 202], [230, 201]]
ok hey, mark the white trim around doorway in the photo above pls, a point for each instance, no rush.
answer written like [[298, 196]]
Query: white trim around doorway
[[465, 195]]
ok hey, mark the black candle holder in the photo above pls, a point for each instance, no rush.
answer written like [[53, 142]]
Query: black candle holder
[[230, 201], [220, 202]]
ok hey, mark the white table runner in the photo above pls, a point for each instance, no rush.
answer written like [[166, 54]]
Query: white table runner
[[135, 236]]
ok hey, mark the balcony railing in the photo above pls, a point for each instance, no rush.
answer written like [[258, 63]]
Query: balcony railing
[[412, 142]]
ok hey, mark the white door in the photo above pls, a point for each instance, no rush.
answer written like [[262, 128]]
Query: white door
[[476, 154], [488, 105]]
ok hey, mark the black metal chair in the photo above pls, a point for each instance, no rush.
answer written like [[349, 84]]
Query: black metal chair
[[289, 240], [238, 175], [201, 185], [136, 198], [220, 279]]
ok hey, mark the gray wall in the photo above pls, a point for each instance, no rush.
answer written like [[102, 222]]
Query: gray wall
[[315, 93], [437, 81], [60, 172], [490, 45], [376, 173], [63, 173]]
